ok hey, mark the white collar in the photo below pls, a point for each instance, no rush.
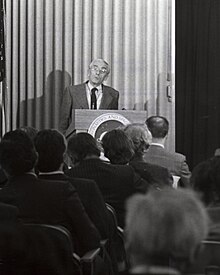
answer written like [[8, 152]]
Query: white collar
[[31, 173], [51, 173], [157, 144], [99, 88]]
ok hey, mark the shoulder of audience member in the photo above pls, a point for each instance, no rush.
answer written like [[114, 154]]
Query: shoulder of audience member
[[56, 184]]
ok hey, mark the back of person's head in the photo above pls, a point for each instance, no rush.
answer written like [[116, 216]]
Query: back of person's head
[[158, 126], [17, 153], [140, 136], [118, 146], [31, 131], [165, 224], [51, 146], [201, 181], [81, 146], [205, 180]]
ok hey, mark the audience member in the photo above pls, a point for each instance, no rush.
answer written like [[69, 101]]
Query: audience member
[[12, 241], [206, 181], [116, 182], [202, 181], [90, 95], [164, 231], [157, 154], [51, 147], [41, 201], [31, 131], [118, 147], [135, 138]]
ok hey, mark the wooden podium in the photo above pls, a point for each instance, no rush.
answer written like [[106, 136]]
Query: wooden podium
[[97, 121]]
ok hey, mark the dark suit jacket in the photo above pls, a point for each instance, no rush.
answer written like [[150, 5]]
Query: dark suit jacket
[[74, 97], [52, 202], [95, 207], [116, 182], [92, 200], [156, 175], [174, 162]]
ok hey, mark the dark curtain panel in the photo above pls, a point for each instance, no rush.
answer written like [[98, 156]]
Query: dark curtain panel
[[197, 78]]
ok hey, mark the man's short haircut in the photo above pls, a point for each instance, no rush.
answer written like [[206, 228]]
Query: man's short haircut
[[118, 146], [17, 153], [51, 146], [158, 126], [82, 145], [140, 136], [165, 224]]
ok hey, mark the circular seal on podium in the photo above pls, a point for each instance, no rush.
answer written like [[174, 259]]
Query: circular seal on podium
[[106, 122]]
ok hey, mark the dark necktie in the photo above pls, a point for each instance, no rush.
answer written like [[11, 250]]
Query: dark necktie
[[93, 98]]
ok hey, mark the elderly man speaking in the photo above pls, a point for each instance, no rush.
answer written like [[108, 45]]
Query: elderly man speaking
[[89, 95]]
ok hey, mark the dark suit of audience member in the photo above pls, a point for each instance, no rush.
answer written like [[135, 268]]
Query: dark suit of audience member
[[25, 250], [127, 146], [157, 154], [41, 201], [12, 241], [116, 182], [164, 231], [51, 146], [79, 96]]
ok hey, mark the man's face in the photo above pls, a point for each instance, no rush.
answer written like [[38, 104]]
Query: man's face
[[98, 72]]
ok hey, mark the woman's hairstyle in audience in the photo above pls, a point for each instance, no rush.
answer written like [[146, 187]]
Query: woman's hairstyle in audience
[[158, 126], [31, 131], [82, 145], [17, 153], [51, 146], [165, 224], [118, 146], [140, 136]]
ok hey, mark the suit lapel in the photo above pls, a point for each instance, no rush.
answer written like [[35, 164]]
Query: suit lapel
[[106, 98], [81, 98]]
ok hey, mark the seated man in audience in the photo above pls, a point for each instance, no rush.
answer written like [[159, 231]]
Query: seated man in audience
[[157, 154], [116, 182], [41, 201], [164, 231], [128, 146], [51, 147]]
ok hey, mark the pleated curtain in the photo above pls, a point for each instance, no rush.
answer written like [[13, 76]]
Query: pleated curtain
[[50, 43]]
